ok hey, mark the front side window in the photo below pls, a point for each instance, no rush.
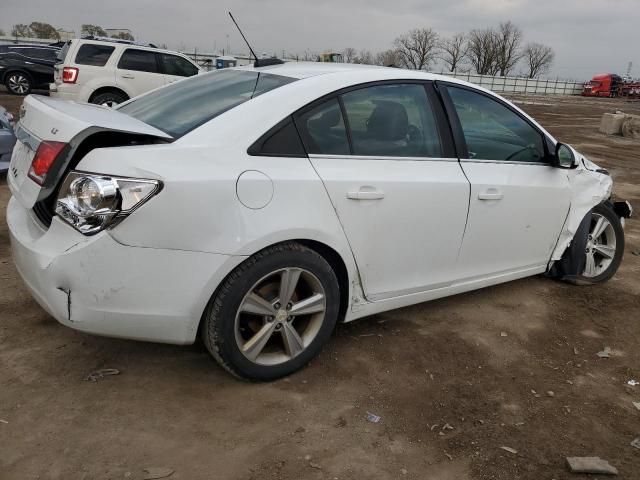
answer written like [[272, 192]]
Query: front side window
[[177, 66], [392, 120], [92, 54], [182, 106], [494, 132], [323, 131], [138, 60]]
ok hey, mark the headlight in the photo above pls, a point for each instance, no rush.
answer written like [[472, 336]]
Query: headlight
[[90, 203]]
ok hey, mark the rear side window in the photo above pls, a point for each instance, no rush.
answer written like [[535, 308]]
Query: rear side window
[[182, 106], [92, 54], [138, 60], [323, 131], [392, 120], [41, 53], [177, 66], [281, 141]]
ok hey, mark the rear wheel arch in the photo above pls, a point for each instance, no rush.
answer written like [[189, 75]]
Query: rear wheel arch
[[109, 89]]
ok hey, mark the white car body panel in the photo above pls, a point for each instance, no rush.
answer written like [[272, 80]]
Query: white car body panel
[[184, 241]]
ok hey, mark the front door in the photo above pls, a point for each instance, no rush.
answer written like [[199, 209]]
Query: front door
[[397, 189], [518, 201]]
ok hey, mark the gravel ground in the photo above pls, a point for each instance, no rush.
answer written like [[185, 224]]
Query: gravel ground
[[453, 380]]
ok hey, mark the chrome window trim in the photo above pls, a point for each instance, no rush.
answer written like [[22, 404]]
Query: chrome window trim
[[397, 159], [508, 162]]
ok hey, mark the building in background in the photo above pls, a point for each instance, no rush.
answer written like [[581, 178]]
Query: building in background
[[66, 34]]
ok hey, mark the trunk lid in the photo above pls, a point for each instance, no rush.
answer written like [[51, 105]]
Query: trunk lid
[[54, 120]]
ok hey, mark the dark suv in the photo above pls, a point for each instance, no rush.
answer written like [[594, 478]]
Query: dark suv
[[25, 67]]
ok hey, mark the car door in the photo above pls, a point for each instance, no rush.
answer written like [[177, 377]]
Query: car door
[[388, 165], [138, 71], [176, 68], [519, 201]]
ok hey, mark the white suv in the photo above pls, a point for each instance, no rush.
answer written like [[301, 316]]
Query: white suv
[[109, 72]]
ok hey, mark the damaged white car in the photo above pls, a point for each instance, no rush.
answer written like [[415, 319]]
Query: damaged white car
[[257, 207]]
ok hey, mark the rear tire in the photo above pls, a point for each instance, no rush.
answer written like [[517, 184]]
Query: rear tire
[[109, 99], [18, 83], [251, 333]]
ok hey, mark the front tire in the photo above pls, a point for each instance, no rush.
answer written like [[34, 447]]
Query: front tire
[[18, 83], [273, 313], [605, 245]]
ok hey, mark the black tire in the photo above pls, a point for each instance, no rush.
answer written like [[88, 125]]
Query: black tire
[[605, 210], [18, 83], [109, 99], [218, 329]]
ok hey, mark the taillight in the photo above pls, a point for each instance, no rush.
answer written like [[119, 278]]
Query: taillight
[[69, 74], [43, 160]]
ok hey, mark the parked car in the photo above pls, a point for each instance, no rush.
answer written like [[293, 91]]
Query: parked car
[[7, 139], [257, 207], [25, 67], [108, 72]]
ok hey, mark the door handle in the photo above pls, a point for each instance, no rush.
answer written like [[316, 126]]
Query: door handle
[[127, 76], [490, 194], [366, 195]]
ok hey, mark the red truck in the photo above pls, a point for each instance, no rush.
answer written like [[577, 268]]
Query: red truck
[[610, 85]]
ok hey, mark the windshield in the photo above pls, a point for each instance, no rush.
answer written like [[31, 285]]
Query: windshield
[[185, 105]]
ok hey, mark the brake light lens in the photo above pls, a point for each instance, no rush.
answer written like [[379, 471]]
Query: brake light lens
[[43, 160], [69, 74]]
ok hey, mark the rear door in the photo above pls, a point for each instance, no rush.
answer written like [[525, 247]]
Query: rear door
[[176, 68], [519, 202], [388, 166], [138, 71]]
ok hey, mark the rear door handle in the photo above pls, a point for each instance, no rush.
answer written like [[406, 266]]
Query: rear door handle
[[127, 76], [490, 194], [366, 195]]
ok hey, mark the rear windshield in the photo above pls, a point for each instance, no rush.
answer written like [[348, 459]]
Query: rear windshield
[[62, 53], [185, 105]]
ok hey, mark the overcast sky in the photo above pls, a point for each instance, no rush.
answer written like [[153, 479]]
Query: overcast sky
[[589, 36]]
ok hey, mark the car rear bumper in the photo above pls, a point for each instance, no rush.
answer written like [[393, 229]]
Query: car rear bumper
[[100, 286]]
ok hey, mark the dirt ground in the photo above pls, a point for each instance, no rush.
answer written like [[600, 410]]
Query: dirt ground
[[450, 387]]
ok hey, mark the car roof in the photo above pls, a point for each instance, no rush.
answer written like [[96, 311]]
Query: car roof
[[307, 70], [127, 44]]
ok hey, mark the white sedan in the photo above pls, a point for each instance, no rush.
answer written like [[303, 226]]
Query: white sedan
[[257, 207]]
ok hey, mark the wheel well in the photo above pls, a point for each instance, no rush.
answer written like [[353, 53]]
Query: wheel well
[[335, 260], [102, 90]]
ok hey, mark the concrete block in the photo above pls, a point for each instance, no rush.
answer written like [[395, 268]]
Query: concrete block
[[611, 123], [631, 126]]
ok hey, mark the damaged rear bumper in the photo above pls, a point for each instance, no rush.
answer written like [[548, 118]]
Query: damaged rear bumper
[[100, 286]]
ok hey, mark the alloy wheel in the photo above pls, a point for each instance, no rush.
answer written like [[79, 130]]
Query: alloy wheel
[[601, 246], [280, 316], [18, 83]]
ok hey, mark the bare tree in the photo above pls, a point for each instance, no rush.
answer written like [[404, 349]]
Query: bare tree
[[453, 51], [509, 40], [20, 30], [43, 30], [539, 59], [128, 36], [482, 51], [388, 58], [365, 57], [349, 54], [418, 48], [2, 34]]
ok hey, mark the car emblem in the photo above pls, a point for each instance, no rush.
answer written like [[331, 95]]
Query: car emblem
[[54, 130]]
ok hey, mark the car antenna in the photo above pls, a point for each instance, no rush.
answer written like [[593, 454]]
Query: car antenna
[[258, 63]]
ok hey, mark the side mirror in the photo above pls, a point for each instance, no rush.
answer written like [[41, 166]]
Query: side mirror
[[564, 157]]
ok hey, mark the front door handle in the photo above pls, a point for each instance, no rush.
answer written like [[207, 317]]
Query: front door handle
[[490, 194], [366, 195]]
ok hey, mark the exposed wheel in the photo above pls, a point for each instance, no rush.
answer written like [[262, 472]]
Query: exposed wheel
[[273, 313], [604, 247], [18, 83], [109, 99]]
